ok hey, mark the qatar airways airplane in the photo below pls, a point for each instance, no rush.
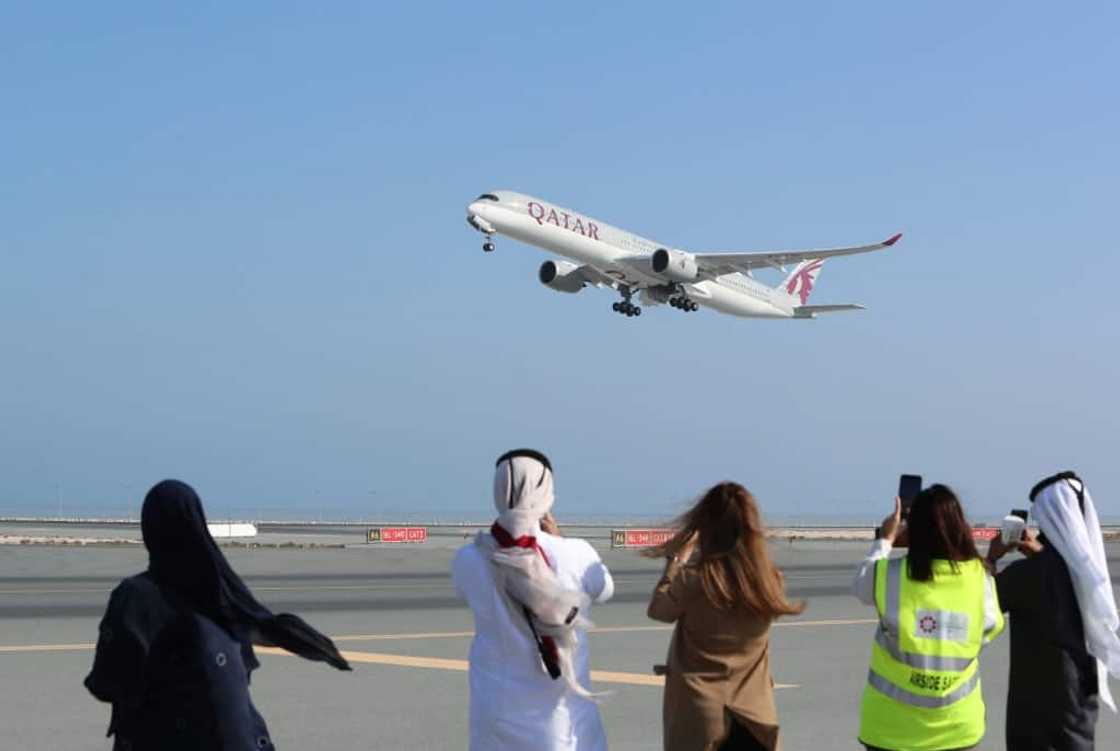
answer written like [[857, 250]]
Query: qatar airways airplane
[[605, 256]]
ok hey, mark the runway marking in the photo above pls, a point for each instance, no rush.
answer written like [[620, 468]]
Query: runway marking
[[317, 588], [51, 591], [383, 658], [46, 648], [837, 622], [265, 588], [10, 649], [443, 663], [402, 637], [592, 630]]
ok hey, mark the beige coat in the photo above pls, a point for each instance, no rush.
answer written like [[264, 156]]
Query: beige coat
[[719, 666]]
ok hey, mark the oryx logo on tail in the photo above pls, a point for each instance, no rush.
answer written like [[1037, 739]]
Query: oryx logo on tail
[[803, 279]]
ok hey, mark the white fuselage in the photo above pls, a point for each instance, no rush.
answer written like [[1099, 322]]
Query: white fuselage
[[620, 255]]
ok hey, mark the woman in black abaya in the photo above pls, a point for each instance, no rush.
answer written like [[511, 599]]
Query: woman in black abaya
[[176, 644]]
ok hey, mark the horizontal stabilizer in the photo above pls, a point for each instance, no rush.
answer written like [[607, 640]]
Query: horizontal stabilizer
[[810, 311]]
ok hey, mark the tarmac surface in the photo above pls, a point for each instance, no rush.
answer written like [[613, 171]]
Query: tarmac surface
[[393, 610]]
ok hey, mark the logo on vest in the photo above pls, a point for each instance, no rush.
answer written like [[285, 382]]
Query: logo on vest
[[942, 625]]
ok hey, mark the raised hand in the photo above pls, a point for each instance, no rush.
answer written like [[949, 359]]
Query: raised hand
[[892, 525]]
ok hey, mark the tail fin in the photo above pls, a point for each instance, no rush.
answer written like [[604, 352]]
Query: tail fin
[[801, 282]]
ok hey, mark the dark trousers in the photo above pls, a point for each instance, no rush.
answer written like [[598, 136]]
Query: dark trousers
[[740, 739]]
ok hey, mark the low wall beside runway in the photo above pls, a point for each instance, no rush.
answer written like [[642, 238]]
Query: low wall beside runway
[[377, 534], [223, 531]]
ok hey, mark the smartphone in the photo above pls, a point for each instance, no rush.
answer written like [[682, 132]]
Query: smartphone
[[908, 488], [1021, 513]]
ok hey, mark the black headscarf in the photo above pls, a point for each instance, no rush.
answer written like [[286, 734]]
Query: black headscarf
[[183, 558]]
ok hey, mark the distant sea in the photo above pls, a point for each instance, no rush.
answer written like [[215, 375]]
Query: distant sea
[[327, 515]]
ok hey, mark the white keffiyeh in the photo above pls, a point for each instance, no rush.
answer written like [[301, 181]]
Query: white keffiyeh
[[1076, 536], [523, 493]]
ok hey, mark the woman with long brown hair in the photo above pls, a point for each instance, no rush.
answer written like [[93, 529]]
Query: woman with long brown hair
[[722, 591]]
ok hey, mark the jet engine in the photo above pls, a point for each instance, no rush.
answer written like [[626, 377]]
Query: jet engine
[[561, 276], [674, 265]]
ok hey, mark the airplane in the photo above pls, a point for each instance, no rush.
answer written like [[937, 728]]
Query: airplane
[[605, 256]]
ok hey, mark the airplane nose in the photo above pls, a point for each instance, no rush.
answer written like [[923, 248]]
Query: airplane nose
[[477, 216]]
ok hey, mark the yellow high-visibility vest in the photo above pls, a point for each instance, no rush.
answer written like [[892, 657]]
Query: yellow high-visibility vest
[[923, 689]]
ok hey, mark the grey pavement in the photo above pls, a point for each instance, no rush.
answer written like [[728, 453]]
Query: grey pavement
[[399, 601]]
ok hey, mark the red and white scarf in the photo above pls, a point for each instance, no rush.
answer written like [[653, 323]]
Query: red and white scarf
[[522, 495]]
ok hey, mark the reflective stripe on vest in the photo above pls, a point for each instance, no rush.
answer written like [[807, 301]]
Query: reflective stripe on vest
[[948, 678], [922, 662], [917, 700], [889, 629]]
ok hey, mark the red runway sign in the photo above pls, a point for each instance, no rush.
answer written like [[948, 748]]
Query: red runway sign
[[985, 533], [639, 538], [397, 534]]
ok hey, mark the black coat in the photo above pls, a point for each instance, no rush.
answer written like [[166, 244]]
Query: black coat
[[177, 680], [1052, 700]]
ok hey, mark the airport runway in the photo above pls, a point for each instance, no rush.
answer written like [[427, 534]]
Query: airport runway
[[394, 612]]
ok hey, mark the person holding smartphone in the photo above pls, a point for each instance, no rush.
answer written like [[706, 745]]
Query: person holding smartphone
[[1063, 621], [530, 590], [937, 608]]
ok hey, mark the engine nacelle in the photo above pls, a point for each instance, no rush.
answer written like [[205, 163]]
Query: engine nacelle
[[561, 276], [674, 265]]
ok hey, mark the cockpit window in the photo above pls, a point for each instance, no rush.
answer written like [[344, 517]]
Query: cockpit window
[[488, 197]]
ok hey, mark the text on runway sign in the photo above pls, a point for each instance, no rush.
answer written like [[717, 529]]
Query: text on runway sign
[[639, 538], [397, 534]]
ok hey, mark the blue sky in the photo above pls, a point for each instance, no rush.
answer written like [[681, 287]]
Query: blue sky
[[234, 251]]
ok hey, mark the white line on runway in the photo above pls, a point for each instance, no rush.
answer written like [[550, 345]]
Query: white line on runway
[[593, 630], [316, 588], [22, 648], [443, 663]]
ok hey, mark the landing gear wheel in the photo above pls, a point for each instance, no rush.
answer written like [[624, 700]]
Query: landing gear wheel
[[625, 307], [487, 247], [692, 306]]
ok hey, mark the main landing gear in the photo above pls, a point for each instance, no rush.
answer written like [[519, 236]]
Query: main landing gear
[[683, 303], [626, 307], [488, 246]]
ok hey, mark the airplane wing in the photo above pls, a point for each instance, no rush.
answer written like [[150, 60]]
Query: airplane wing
[[592, 275], [718, 264], [810, 311]]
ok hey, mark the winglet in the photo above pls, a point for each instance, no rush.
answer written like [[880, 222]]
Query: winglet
[[893, 240]]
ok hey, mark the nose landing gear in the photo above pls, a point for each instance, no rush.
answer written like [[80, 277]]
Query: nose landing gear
[[488, 246]]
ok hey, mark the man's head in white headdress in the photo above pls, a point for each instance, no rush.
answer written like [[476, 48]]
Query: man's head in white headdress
[[522, 495], [523, 490], [1068, 520]]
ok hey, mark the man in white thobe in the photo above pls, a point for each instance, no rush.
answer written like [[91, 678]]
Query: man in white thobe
[[514, 702]]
